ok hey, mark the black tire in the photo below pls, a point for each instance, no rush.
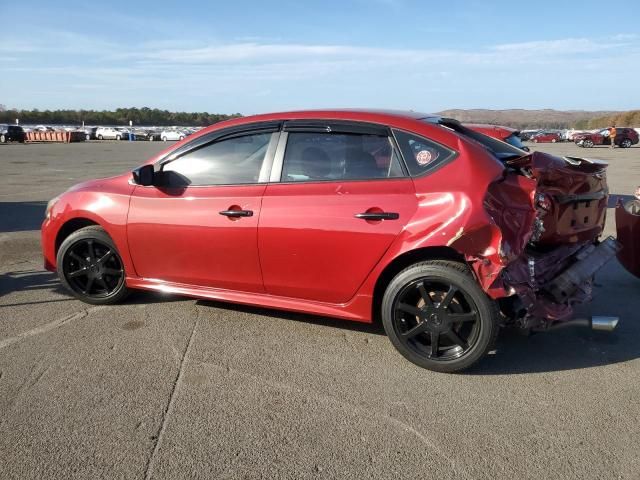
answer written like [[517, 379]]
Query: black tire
[[468, 323], [3, 139], [181, 137], [587, 144], [151, 139], [87, 137], [100, 137], [82, 275], [626, 143], [118, 137]]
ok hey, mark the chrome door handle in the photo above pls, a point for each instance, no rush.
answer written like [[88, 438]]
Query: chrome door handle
[[236, 213], [378, 216]]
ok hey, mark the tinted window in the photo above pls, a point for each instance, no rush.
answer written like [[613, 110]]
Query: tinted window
[[338, 156], [235, 160], [421, 154]]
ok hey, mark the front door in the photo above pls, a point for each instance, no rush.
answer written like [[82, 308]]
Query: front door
[[339, 200], [198, 226]]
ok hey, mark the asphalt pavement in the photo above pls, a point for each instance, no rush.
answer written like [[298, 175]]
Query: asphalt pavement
[[168, 387]]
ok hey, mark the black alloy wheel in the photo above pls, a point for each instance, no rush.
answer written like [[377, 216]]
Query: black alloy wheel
[[438, 317], [90, 266]]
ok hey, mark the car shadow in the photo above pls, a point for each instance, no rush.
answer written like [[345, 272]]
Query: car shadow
[[373, 328], [570, 349], [21, 216], [29, 280]]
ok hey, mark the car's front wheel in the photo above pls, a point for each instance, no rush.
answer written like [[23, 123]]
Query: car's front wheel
[[587, 143], [118, 137], [3, 139], [100, 137], [91, 268], [438, 317]]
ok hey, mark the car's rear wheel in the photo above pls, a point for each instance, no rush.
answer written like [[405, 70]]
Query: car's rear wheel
[[587, 143], [90, 267], [438, 317], [118, 137], [164, 139], [151, 138], [100, 137], [181, 137], [553, 140], [87, 137], [535, 140], [626, 143]]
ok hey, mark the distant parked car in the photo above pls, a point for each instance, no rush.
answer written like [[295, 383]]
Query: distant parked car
[[625, 137], [43, 128], [12, 133], [109, 133], [506, 134], [546, 137], [528, 134], [89, 132], [172, 135]]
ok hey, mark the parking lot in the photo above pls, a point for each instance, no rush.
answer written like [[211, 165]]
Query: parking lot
[[168, 387]]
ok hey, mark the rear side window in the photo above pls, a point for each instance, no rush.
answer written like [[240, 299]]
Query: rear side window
[[322, 156], [420, 154], [231, 161]]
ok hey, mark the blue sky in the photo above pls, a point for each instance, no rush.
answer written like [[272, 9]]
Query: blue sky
[[258, 56]]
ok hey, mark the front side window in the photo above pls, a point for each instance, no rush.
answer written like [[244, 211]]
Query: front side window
[[236, 160], [338, 156], [421, 154]]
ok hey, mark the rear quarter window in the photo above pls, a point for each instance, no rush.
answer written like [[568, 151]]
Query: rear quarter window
[[421, 154]]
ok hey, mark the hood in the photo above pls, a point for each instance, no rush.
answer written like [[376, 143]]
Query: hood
[[100, 183]]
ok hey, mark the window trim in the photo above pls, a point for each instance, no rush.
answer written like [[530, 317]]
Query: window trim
[[437, 165], [313, 126], [216, 136]]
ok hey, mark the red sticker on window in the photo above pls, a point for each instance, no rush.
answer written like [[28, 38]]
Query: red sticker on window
[[424, 157]]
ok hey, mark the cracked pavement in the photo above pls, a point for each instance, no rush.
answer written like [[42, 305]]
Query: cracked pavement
[[165, 387]]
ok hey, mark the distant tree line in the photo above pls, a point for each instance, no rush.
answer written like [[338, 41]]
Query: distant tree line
[[120, 116], [624, 119]]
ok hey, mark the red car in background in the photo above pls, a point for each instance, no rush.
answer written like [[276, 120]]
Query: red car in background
[[625, 138], [439, 231], [546, 137], [506, 134]]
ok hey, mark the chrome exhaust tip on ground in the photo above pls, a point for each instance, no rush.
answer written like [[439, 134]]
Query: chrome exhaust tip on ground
[[604, 324], [597, 322]]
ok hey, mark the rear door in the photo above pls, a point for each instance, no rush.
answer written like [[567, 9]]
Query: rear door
[[337, 199]]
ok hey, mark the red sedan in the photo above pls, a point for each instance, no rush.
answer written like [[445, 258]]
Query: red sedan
[[506, 134], [546, 137], [439, 231]]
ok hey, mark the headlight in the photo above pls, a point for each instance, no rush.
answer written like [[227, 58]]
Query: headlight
[[50, 205]]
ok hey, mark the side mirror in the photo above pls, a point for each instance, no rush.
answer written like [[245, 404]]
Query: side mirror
[[144, 175]]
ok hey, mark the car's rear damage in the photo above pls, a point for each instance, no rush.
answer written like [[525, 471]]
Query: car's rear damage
[[543, 249]]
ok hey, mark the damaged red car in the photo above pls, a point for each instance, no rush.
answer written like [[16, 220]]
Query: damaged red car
[[439, 231]]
